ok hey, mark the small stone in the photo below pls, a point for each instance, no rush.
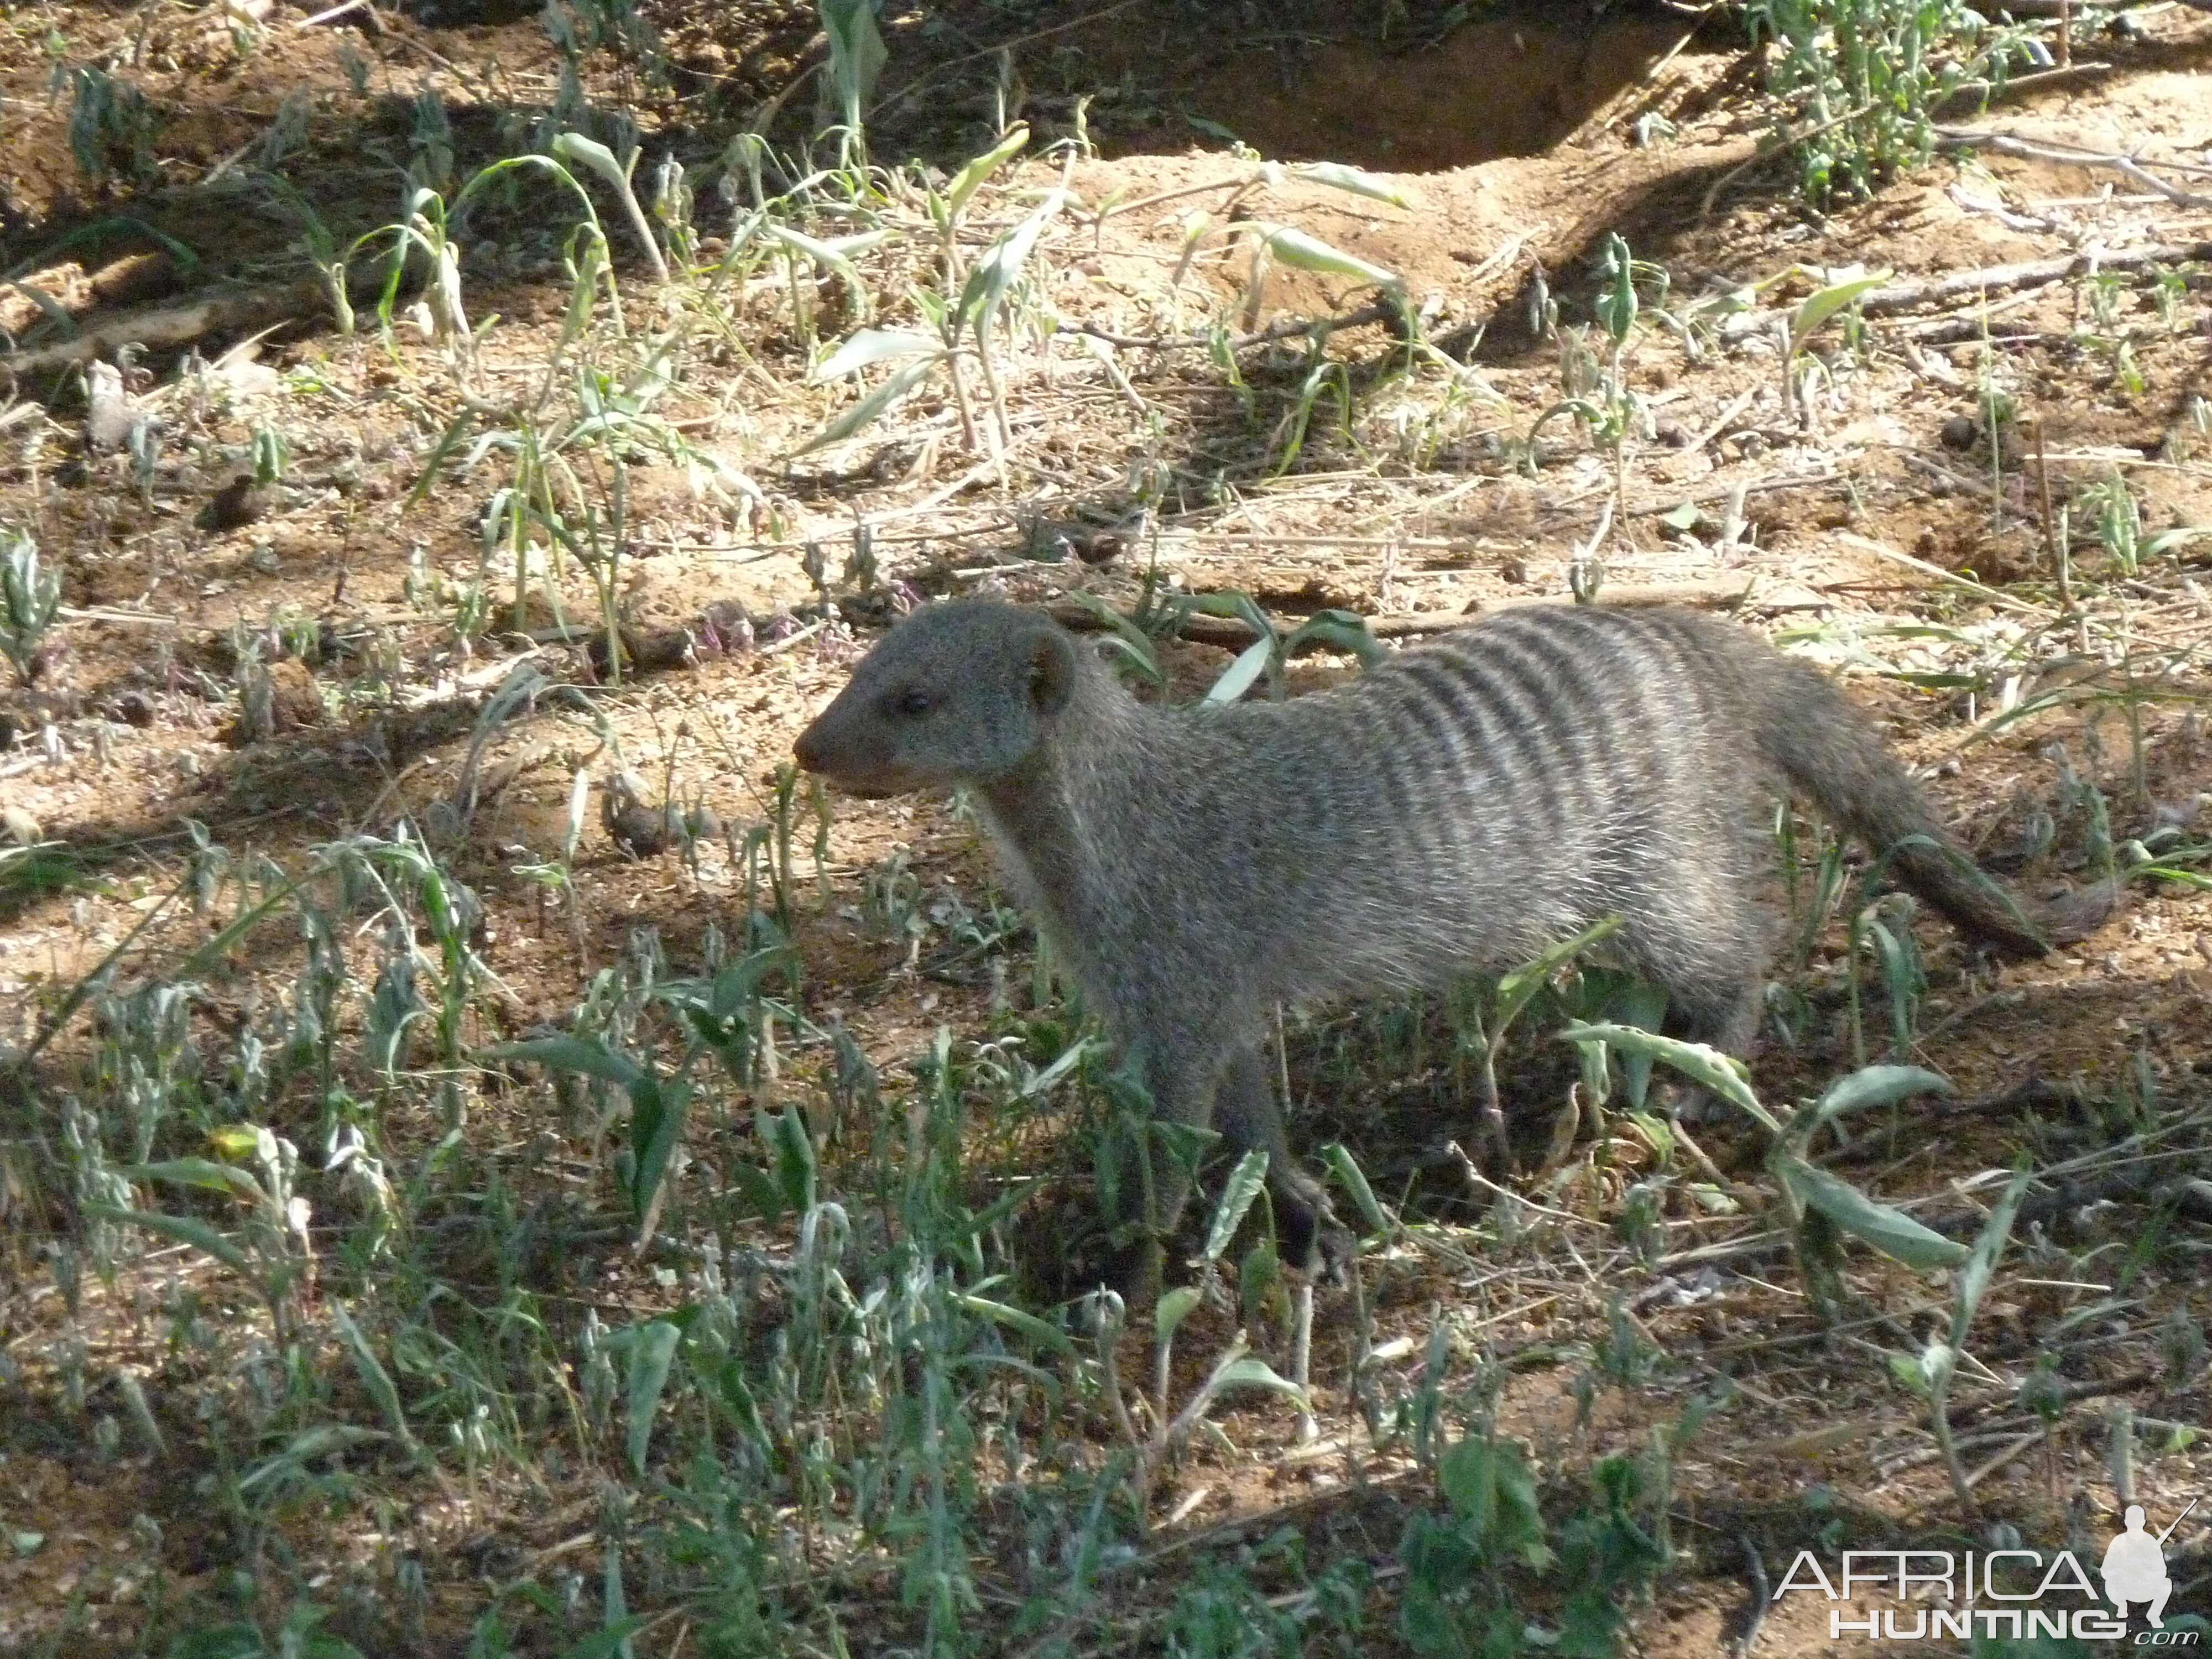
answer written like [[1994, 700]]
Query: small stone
[[639, 830], [295, 700], [1959, 432], [237, 503]]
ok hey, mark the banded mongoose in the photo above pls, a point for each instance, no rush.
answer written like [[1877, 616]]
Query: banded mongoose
[[1451, 812]]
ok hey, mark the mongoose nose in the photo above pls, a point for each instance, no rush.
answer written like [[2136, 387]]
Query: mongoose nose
[[806, 750]]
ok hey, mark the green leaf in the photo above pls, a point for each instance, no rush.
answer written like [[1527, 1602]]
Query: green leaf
[[236, 1139], [1238, 677], [833, 254], [1233, 606], [1043, 1333], [2166, 540], [1131, 638], [1001, 265], [1514, 990], [758, 1189], [1890, 1231], [198, 1172], [971, 178], [872, 408], [1721, 1074], [1827, 303], [373, 1376], [1245, 1371], [1937, 1362], [875, 345], [795, 1157], [1353, 1180], [1237, 1195], [1616, 304], [1982, 1264], [566, 1054], [1174, 1307], [652, 1349], [1338, 630], [574, 147], [1295, 248], [736, 1397], [1905, 1370], [1640, 1003], [1487, 1482], [657, 1111], [1338, 176], [184, 1228], [1686, 518], [857, 54], [1870, 1085]]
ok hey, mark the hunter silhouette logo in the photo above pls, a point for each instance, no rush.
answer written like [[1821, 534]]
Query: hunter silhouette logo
[[2135, 1566]]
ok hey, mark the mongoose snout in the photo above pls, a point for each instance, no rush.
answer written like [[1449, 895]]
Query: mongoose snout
[[959, 704], [1450, 813]]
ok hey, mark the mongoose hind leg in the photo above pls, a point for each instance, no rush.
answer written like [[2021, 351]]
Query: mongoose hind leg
[[1246, 1113], [1238, 1100], [1722, 1014]]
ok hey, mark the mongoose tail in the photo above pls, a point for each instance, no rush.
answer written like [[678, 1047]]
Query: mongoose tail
[[1828, 751]]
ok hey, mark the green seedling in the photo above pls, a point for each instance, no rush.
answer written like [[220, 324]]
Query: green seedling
[[857, 56], [1817, 1206], [1927, 1374], [1863, 79], [30, 601]]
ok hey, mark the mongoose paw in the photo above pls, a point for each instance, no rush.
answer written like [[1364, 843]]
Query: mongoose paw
[[1332, 1252], [1312, 1241], [1134, 1271]]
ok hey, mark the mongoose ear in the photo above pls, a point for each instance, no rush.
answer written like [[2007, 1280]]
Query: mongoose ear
[[1052, 671]]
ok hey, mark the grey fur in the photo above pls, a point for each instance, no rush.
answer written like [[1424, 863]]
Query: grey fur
[[1452, 812]]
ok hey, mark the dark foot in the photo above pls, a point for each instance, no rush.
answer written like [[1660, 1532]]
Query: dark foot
[[1135, 1272], [1309, 1236]]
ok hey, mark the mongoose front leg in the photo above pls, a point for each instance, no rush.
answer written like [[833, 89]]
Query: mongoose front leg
[[1143, 1191]]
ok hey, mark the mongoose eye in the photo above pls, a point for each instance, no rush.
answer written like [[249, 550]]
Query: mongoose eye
[[911, 703]]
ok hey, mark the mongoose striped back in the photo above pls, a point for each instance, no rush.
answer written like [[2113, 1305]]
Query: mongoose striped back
[[1454, 810]]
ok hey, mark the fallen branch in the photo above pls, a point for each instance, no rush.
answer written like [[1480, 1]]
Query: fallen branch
[[2072, 155], [218, 310], [2114, 1186], [2060, 8], [1380, 312], [1981, 590], [2027, 273]]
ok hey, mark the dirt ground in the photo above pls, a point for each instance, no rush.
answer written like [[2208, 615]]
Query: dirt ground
[[267, 662]]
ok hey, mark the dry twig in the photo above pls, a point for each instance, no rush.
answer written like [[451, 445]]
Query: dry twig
[[2032, 149], [2026, 273]]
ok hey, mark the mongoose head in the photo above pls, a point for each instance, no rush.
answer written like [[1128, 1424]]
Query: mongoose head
[[958, 693]]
